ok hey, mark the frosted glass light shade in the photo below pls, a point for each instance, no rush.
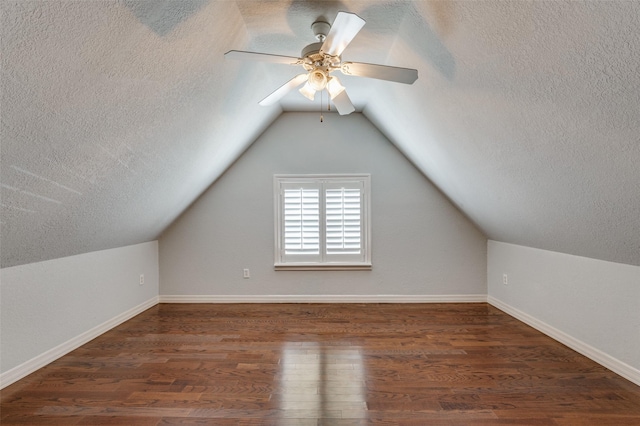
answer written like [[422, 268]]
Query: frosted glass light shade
[[308, 91], [317, 79]]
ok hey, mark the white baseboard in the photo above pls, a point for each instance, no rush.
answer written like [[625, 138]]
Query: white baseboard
[[26, 368], [11, 376], [623, 369], [615, 365], [332, 298]]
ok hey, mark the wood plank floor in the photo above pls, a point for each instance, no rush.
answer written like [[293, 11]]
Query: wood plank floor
[[333, 364]]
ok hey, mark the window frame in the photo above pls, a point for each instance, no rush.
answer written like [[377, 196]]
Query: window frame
[[323, 260]]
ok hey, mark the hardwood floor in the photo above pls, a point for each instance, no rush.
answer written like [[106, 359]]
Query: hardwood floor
[[327, 364]]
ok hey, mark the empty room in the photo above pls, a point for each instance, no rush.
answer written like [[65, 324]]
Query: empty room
[[297, 212]]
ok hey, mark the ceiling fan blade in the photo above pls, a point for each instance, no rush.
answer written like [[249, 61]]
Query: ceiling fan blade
[[344, 29], [381, 72], [343, 103], [261, 57], [284, 89]]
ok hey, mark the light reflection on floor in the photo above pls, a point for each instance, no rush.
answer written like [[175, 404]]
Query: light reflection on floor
[[324, 381]]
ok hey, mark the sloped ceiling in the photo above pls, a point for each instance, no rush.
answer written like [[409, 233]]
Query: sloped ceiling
[[117, 115]]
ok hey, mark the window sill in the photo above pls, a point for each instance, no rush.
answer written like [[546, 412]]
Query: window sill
[[322, 267]]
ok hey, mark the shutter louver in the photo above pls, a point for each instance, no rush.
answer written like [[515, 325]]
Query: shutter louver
[[343, 221], [301, 221]]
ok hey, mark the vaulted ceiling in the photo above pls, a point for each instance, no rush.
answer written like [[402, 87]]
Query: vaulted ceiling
[[116, 115]]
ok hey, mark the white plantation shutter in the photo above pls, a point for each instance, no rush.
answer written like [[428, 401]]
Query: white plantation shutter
[[343, 223], [322, 221], [301, 221]]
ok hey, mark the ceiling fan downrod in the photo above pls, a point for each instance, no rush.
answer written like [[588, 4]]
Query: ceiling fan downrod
[[320, 30]]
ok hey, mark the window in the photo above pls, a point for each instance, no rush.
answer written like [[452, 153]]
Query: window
[[322, 221]]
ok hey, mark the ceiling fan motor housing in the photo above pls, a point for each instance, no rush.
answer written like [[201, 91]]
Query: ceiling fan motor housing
[[312, 51]]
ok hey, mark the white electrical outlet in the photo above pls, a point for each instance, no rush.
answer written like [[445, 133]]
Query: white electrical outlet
[[245, 273], [505, 279], [141, 279]]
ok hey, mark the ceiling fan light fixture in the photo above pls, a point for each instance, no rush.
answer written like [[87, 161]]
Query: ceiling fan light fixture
[[317, 79], [321, 59], [308, 91], [334, 87]]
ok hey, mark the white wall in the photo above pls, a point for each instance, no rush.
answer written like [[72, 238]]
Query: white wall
[[421, 244], [591, 305], [47, 307]]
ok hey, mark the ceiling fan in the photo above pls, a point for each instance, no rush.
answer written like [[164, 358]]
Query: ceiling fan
[[324, 57]]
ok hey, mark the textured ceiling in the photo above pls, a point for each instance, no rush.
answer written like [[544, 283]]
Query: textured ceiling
[[116, 115]]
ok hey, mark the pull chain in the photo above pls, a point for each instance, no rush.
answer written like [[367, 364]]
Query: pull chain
[[321, 117]]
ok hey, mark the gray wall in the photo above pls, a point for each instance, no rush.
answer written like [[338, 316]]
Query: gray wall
[[421, 244], [591, 305]]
